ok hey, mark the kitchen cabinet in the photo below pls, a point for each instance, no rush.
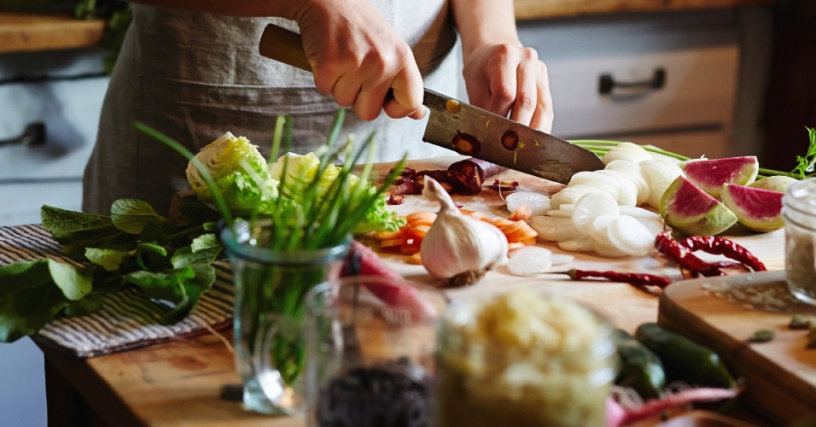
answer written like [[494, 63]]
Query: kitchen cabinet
[[64, 91], [667, 79]]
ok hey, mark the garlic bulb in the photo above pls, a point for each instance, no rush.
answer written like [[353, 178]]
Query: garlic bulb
[[459, 249]]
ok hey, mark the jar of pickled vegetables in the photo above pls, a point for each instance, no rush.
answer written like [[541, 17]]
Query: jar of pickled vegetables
[[799, 213], [523, 360]]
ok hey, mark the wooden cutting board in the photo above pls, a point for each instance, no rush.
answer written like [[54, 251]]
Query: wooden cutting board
[[722, 312]]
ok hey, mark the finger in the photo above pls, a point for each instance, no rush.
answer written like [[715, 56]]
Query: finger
[[407, 91], [372, 97], [544, 113], [526, 100], [502, 75], [345, 91]]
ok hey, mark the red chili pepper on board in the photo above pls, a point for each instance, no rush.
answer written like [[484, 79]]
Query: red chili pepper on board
[[638, 280], [674, 251], [722, 246]]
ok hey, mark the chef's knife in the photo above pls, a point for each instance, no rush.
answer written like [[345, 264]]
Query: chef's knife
[[467, 129]]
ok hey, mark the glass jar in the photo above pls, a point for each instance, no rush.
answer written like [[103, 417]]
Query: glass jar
[[370, 352], [270, 290], [555, 370], [799, 213]]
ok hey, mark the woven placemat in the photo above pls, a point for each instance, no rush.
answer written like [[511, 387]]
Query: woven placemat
[[126, 319]]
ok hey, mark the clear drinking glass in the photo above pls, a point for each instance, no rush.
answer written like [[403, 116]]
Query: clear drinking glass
[[270, 290], [799, 213], [370, 352]]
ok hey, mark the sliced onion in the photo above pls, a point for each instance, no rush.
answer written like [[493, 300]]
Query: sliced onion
[[530, 260], [561, 259], [538, 203], [581, 244], [570, 195], [596, 181], [629, 235], [659, 176], [592, 205], [554, 229]]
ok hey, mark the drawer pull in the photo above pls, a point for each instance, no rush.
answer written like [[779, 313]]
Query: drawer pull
[[607, 83], [34, 134]]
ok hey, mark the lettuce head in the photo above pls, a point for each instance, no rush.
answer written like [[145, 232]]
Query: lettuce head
[[301, 170], [240, 173]]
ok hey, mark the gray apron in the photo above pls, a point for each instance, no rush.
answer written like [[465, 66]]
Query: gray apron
[[195, 76]]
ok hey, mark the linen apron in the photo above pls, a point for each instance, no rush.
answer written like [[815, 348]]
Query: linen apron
[[194, 76]]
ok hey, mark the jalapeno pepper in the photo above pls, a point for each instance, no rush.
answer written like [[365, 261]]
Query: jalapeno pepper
[[683, 359], [640, 369]]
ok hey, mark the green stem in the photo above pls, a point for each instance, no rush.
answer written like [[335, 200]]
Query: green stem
[[601, 147], [186, 232]]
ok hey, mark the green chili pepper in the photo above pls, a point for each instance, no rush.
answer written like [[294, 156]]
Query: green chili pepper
[[640, 369], [683, 359]]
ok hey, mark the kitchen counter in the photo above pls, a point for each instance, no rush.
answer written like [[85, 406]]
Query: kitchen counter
[[535, 9], [183, 382], [33, 32]]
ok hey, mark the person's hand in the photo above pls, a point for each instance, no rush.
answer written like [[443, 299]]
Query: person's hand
[[507, 78], [357, 57]]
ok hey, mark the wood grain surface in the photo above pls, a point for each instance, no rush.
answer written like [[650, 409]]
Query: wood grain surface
[[722, 312], [180, 383], [534, 9], [35, 32]]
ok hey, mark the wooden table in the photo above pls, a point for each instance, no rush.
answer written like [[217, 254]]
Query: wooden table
[[21, 32], [181, 383]]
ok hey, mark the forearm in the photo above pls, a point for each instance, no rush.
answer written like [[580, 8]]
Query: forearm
[[482, 22], [282, 8]]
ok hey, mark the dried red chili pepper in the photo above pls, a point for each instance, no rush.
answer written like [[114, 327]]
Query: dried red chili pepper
[[676, 252], [725, 247], [639, 280]]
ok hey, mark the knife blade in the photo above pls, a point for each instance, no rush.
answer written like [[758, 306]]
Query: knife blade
[[467, 129]]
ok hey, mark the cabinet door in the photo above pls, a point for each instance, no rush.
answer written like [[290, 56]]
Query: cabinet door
[[51, 173], [604, 75]]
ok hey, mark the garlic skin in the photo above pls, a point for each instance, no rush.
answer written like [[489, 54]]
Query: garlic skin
[[459, 249]]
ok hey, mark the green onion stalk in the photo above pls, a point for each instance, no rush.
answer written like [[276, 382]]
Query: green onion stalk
[[323, 217], [804, 169]]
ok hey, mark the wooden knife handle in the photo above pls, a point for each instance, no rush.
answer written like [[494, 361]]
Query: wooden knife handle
[[285, 46]]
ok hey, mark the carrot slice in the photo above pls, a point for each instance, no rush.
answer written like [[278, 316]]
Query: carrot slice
[[522, 213], [415, 259], [389, 235], [410, 248], [391, 243], [417, 232]]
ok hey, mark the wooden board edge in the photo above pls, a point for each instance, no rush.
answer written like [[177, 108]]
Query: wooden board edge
[[783, 404]]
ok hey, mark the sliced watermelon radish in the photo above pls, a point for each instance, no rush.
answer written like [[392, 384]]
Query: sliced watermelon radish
[[691, 211], [756, 209], [712, 174]]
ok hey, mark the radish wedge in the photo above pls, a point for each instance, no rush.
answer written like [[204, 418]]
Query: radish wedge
[[630, 236], [550, 228], [538, 203], [592, 205], [659, 175]]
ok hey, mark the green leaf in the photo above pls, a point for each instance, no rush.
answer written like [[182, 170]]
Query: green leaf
[[109, 259], [90, 304], [181, 286], [76, 231], [62, 221], [27, 310], [132, 215], [23, 275], [206, 241], [74, 282], [203, 250]]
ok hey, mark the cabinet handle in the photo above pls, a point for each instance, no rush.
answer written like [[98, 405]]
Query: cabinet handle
[[607, 83], [34, 134]]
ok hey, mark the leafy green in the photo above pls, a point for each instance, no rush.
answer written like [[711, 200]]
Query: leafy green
[[74, 282], [805, 165], [28, 299], [109, 259], [132, 215], [181, 286], [240, 174]]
